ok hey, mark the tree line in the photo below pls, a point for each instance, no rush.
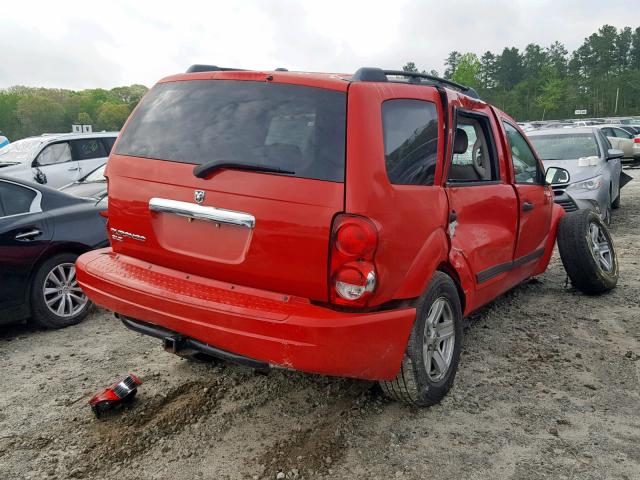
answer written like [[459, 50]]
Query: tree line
[[27, 111], [602, 76]]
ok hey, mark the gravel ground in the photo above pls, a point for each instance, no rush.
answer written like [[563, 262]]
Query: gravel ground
[[548, 387]]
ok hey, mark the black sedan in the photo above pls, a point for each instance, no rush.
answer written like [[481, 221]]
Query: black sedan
[[42, 232]]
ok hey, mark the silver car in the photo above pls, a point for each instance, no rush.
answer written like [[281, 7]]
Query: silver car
[[56, 159], [594, 168]]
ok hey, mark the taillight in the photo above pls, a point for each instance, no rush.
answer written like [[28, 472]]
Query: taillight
[[352, 278], [636, 140]]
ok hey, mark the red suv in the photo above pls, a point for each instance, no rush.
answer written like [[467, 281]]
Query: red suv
[[335, 224]]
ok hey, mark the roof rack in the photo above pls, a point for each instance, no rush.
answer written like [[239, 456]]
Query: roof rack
[[372, 74], [211, 68]]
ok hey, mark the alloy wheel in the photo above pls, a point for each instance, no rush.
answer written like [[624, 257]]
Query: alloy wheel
[[600, 247], [61, 291], [439, 339]]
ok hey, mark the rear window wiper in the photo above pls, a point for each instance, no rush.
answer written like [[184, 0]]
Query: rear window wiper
[[205, 169]]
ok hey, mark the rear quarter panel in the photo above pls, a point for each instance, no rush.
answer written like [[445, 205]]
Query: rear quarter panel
[[411, 218]]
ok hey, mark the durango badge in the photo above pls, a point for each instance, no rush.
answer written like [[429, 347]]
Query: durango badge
[[198, 196]]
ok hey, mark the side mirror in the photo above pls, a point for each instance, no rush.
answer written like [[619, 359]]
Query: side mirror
[[556, 175], [614, 153]]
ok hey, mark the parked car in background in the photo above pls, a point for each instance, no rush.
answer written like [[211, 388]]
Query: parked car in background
[[42, 232], [594, 168], [556, 125], [3, 140], [623, 121], [527, 126], [92, 186], [56, 159], [622, 140]]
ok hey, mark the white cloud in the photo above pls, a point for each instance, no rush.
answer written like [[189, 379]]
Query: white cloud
[[85, 44]]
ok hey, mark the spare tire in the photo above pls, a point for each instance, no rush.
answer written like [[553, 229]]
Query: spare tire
[[587, 252]]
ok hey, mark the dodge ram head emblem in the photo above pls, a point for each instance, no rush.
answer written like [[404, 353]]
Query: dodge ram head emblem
[[198, 196]]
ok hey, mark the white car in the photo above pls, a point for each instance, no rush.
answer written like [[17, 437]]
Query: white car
[[622, 140], [56, 159]]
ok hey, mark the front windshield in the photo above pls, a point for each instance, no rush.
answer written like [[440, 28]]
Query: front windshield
[[20, 151], [97, 175], [565, 147]]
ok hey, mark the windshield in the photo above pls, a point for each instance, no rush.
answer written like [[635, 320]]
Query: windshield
[[97, 175], [20, 151], [565, 147], [286, 127]]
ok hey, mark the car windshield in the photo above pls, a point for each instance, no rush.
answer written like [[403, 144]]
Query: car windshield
[[565, 147], [20, 151], [96, 176], [287, 127]]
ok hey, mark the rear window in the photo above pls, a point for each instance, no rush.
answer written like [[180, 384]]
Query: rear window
[[565, 146], [15, 199], [289, 127]]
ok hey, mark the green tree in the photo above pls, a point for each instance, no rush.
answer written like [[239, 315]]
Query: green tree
[[451, 63], [467, 71], [39, 115], [509, 68], [553, 91], [557, 55], [487, 74], [111, 116], [83, 118], [410, 67]]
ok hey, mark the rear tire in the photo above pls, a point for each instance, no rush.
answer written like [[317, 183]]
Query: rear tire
[[429, 366], [587, 252], [54, 283]]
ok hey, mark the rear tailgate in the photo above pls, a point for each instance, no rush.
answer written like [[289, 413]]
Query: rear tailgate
[[284, 245]]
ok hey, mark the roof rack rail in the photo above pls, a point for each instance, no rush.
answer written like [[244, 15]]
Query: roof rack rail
[[374, 74], [211, 68]]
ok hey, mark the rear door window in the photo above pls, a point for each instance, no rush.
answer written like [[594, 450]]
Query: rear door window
[[88, 148], [620, 133], [288, 127], [410, 141], [15, 199], [108, 143], [478, 163]]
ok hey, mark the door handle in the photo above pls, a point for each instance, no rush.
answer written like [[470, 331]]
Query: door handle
[[73, 169], [28, 235], [527, 206]]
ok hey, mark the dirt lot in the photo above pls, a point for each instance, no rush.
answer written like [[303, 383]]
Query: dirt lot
[[548, 387]]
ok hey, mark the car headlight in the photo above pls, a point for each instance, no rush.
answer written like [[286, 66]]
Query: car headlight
[[590, 184]]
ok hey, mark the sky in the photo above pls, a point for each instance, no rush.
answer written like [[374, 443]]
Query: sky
[[90, 44]]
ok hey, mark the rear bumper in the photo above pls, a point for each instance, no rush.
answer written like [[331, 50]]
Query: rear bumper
[[273, 328]]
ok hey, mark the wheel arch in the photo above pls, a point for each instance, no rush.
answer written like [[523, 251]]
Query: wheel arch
[[434, 251], [447, 268]]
